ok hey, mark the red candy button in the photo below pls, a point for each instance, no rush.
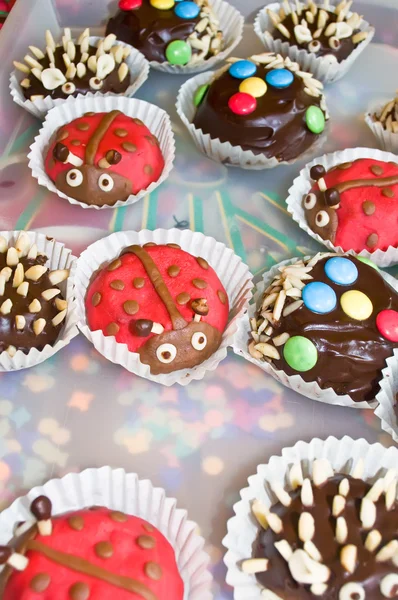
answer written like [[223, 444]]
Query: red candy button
[[129, 4], [387, 324], [242, 103]]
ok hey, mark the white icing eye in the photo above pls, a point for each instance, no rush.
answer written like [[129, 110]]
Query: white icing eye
[[68, 88], [352, 591], [314, 46], [309, 201], [322, 218], [166, 353], [199, 340], [74, 178], [334, 42], [389, 586], [95, 83], [106, 183]]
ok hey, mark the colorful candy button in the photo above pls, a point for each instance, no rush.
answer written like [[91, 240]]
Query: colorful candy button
[[341, 270], [242, 104], [200, 94], [319, 297], [187, 10], [242, 69], [387, 324], [300, 353], [129, 4], [162, 4], [356, 305], [279, 78], [178, 52], [315, 119], [254, 86], [368, 262]]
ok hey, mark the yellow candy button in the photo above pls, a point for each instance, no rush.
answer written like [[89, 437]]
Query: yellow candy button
[[356, 305], [254, 86], [162, 4]]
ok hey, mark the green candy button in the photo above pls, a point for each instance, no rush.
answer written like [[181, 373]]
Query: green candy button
[[368, 262], [200, 94], [300, 353], [315, 119], [178, 52]]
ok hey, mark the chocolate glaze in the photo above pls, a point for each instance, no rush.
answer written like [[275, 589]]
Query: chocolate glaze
[[368, 572]]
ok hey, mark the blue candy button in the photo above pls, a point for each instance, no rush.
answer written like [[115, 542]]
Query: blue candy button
[[187, 10], [279, 78], [319, 297], [242, 69], [341, 270]]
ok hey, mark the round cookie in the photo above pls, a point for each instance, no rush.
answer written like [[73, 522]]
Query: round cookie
[[354, 205], [101, 158], [163, 303]]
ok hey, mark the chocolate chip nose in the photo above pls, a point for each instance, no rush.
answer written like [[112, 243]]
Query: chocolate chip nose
[[60, 152], [141, 327]]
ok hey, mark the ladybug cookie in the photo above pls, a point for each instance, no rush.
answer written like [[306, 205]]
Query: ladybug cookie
[[355, 205], [101, 158], [163, 303]]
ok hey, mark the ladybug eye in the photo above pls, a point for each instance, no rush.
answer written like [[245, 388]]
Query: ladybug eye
[[95, 83], [309, 201], [199, 340], [322, 218], [166, 353], [106, 183], [74, 178], [68, 88], [352, 590], [314, 46], [388, 585]]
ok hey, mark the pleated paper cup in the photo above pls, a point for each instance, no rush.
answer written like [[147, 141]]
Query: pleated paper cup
[[303, 184], [125, 492], [232, 272], [138, 68], [59, 257], [231, 24], [344, 455], [295, 382], [225, 152], [323, 68], [387, 140], [388, 398], [156, 119]]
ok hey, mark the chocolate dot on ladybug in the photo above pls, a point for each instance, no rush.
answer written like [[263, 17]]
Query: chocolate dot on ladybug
[[332, 197], [141, 327], [113, 157], [200, 306], [60, 152], [317, 171]]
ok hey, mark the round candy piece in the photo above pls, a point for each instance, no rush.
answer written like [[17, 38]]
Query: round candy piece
[[387, 324], [187, 10], [356, 305], [315, 119], [368, 262], [242, 69], [255, 86], [162, 4], [242, 104], [341, 270], [300, 353], [279, 78], [200, 94], [129, 4], [319, 297], [178, 52]]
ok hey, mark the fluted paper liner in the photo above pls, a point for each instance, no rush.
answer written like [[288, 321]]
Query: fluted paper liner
[[231, 24], [59, 257], [117, 490], [156, 119], [138, 69], [303, 183], [321, 67], [295, 382], [232, 272], [388, 398], [387, 140], [243, 529]]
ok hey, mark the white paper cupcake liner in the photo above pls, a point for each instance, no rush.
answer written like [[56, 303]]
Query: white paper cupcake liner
[[138, 68], [59, 257], [156, 119], [303, 183], [233, 274], [388, 398], [225, 152], [387, 140], [321, 67], [294, 382], [231, 24], [344, 455], [125, 492]]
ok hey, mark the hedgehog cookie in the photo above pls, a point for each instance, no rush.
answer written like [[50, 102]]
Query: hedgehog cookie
[[91, 554], [164, 303], [75, 67], [354, 205], [329, 537], [32, 306], [178, 32], [103, 158], [331, 319]]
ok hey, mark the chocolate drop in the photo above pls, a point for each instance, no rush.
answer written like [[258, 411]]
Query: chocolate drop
[[222, 296], [118, 516], [76, 142], [79, 591], [148, 170], [41, 508], [200, 306], [113, 157], [377, 170], [83, 126], [5, 553], [115, 264], [76, 522], [129, 147], [141, 327], [317, 171], [138, 122], [175, 246], [372, 240], [153, 570], [60, 152], [89, 114], [112, 329], [199, 283], [96, 299], [138, 282], [147, 542], [117, 284], [202, 263], [344, 166], [121, 133], [148, 527], [62, 135], [183, 298], [40, 582], [332, 197], [149, 245], [104, 549], [388, 192], [131, 307], [368, 207], [173, 271]]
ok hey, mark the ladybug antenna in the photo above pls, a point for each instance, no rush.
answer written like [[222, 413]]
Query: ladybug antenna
[[17, 561], [41, 508]]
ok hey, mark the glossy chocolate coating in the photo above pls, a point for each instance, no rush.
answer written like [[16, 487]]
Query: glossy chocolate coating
[[276, 128], [41, 508], [368, 572]]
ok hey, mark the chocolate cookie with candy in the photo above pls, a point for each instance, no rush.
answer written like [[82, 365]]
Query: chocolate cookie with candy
[[101, 158], [164, 303], [354, 205], [91, 554]]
